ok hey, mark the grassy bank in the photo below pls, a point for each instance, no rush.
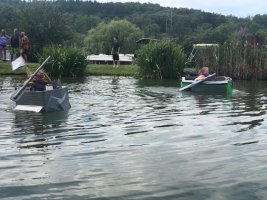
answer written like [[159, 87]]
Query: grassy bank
[[5, 68], [123, 70], [91, 69]]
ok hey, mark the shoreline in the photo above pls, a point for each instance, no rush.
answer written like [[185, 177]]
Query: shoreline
[[91, 69]]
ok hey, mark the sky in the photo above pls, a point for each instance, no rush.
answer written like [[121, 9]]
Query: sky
[[238, 8]]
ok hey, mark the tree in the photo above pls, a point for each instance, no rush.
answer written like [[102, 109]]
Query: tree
[[10, 17], [44, 24], [81, 23], [99, 39]]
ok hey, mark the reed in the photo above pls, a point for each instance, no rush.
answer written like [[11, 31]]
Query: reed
[[64, 62], [162, 59], [236, 60]]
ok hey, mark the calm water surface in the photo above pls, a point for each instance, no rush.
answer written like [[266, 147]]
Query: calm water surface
[[129, 139]]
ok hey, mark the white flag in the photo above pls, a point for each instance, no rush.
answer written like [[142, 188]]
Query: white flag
[[19, 62]]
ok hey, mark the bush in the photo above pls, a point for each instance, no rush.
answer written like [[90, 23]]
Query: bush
[[64, 61], [161, 60]]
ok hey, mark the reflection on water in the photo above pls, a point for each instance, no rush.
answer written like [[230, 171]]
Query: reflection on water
[[125, 138], [40, 126]]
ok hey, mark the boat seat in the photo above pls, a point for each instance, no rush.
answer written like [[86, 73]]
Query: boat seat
[[215, 78], [219, 78], [190, 77], [49, 87]]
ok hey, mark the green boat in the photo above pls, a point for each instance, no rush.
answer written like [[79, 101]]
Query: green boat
[[212, 83], [215, 84]]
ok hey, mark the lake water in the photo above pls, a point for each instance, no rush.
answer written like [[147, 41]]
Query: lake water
[[126, 138]]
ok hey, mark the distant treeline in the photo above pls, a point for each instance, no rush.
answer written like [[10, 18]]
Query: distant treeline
[[69, 18]]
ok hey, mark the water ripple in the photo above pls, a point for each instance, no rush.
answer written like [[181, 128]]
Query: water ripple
[[125, 138]]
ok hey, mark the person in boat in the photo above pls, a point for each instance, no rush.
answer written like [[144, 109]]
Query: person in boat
[[203, 73], [40, 81]]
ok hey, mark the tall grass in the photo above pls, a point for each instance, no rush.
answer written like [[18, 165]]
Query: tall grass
[[161, 60], [235, 60], [64, 62]]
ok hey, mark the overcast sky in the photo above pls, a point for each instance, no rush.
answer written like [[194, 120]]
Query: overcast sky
[[239, 8]]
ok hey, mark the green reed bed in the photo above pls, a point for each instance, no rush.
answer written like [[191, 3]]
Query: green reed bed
[[237, 61]]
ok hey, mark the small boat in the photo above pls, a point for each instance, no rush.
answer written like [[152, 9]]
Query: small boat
[[54, 98], [51, 99], [212, 83], [215, 84]]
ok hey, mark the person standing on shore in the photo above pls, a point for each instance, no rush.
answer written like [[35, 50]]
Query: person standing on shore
[[115, 52], [24, 46], [14, 43], [3, 44]]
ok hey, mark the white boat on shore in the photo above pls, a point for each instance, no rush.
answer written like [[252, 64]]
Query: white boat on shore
[[104, 58]]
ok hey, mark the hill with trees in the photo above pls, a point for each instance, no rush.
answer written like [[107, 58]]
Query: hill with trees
[[70, 21]]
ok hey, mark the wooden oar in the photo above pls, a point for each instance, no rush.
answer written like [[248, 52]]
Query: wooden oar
[[196, 83], [15, 96]]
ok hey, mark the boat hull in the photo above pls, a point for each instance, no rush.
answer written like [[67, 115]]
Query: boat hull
[[217, 85], [48, 101]]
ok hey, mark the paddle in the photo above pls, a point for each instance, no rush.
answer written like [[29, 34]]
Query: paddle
[[196, 83], [15, 96]]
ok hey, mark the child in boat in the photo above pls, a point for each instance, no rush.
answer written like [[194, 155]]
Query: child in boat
[[203, 73], [40, 81]]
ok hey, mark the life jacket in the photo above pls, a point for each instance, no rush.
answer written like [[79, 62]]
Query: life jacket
[[39, 85]]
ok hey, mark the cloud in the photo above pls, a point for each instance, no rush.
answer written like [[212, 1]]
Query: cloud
[[241, 8]]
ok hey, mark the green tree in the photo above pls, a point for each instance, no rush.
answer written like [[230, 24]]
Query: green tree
[[99, 39], [81, 23], [10, 17], [44, 24]]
